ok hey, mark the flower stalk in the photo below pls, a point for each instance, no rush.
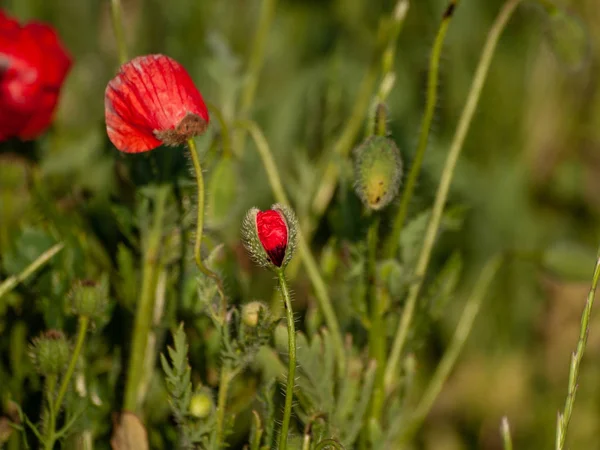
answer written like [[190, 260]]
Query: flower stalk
[[444, 187], [289, 390], [145, 306]]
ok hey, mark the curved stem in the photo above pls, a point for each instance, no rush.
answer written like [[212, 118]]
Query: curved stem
[[303, 249], [145, 306], [289, 390], [117, 20], [391, 247], [463, 329], [200, 226], [565, 417], [255, 63], [444, 187]]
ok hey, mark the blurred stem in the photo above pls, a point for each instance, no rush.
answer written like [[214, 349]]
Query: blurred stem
[[344, 143], [377, 334], [13, 281], [463, 329], [225, 138], [255, 63], [565, 417], [51, 436], [308, 259], [227, 375], [145, 306], [289, 390], [444, 187], [393, 240], [506, 437], [117, 20], [200, 227]]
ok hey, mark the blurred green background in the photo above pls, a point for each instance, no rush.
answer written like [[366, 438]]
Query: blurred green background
[[529, 179]]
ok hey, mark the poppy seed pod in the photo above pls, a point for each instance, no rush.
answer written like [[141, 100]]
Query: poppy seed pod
[[377, 171], [153, 101], [270, 236], [50, 352]]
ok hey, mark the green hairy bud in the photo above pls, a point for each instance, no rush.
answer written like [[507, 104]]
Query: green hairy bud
[[377, 171], [50, 352]]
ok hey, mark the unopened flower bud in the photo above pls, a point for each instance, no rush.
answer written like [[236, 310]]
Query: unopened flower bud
[[89, 298], [270, 236], [50, 352], [201, 405], [251, 312], [377, 171]]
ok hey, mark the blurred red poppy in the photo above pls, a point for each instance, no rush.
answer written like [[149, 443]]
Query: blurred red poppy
[[33, 66], [153, 101]]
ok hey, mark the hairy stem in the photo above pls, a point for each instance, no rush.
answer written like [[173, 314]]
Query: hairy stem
[[227, 375], [145, 306], [343, 144], [200, 226], [444, 187], [289, 390], [391, 247], [377, 335], [303, 249], [55, 406], [565, 417]]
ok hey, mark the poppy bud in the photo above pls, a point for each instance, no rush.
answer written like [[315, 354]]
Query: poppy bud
[[89, 298], [153, 101], [201, 405], [270, 236], [50, 352], [251, 312], [377, 171]]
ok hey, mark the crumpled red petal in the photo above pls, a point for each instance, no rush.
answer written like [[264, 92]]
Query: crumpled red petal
[[150, 94]]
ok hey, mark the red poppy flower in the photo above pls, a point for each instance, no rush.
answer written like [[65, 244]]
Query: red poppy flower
[[33, 66], [273, 234], [153, 101]]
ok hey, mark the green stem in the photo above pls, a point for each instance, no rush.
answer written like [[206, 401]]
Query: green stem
[[463, 329], [393, 240], [289, 390], [200, 226], [145, 306], [50, 435], [13, 281], [506, 437], [50, 426], [255, 63], [306, 256], [227, 375], [117, 20], [565, 417], [444, 187], [343, 145], [377, 335]]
